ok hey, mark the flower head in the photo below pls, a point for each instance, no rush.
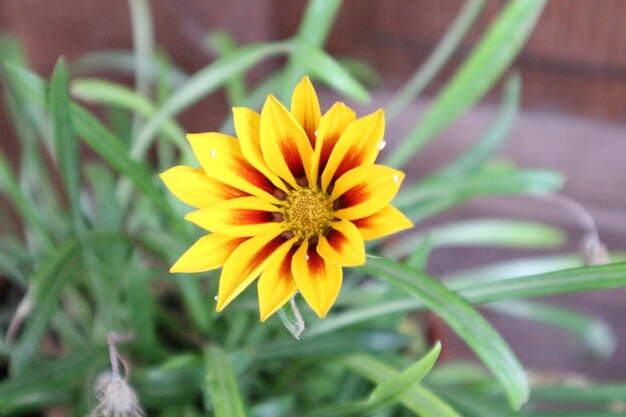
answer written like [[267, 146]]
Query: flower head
[[292, 199]]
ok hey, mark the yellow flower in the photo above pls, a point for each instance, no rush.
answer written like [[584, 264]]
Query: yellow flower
[[292, 199]]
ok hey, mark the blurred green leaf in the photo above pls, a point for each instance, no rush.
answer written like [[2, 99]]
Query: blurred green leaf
[[493, 54], [220, 385], [416, 398], [558, 282], [66, 145], [594, 332], [209, 79], [96, 135], [418, 259], [509, 233], [491, 140], [387, 393], [330, 345], [321, 65], [466, 322], [437, 59], [113, 94], [50, 383]]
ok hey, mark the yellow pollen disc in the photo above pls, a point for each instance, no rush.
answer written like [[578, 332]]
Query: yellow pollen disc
[[307, 213]]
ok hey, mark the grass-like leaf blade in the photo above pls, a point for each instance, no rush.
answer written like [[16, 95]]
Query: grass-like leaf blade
[[464, 320]]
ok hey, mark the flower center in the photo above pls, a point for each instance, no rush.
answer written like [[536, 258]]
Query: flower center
[[307, 213]]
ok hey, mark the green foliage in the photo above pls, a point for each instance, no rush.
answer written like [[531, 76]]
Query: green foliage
[[92, 250]]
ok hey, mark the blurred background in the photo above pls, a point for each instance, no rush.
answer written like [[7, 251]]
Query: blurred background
[[573, 116]]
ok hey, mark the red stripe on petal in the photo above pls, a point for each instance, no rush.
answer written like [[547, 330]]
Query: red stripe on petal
[[352, 197], [290, 152], [327, 148], [262, 254], [252, 175], [245, 216], [315, 262], [336, 239]]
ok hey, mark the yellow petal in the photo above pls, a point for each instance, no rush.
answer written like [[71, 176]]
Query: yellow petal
[[342, 245], [209, 252], [221, 158], [246, 263], [332, 126], [276, 285], [318, 280], [305, 108], [365, 190], [194, 187], [359, 145], [285, 146], [245, 216], [247, 127], [387, 221]]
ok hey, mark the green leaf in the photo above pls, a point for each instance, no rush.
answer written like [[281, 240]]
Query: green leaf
[[50, 383], [493, 54], [114, 94], [45, 287], [419, 256], [466, 322], [491, 140], [416, 398], [66, 145], [101, 140], [437, 59], [387, 392], [484, 291], [321, 65], [550, 283], [330, 345], [509, 233], [595, 333], [221, 386], [209, 79], [485, 182]]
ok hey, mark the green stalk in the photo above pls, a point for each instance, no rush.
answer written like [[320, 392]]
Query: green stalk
[[436, 60]]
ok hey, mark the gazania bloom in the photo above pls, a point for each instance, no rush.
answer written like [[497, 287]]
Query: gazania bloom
[[291, 199]]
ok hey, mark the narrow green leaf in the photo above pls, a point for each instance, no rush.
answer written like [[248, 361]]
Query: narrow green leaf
[[221, 386], [175, 382], [45, 286], [437, 59], [494, 53], [466, 322], [101, 140], [509, 233], [485, 291], [321, 65], [419, 256], [32, 217], [491, 140], [143, 44], [114, 94], [66, 145], [594, 332], [485, 182], [209, 79], [223, 43], [330, 345], [550, 283], [317, 21], [596, 393], [387, 392], [416, 398], [51, 383]]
